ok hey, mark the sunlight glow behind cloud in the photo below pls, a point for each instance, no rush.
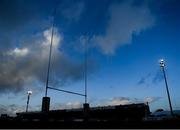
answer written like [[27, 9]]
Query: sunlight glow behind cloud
[[19, 52]]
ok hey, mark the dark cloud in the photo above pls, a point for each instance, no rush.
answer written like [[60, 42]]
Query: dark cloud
[[151, 78], [11, 109], [72, 10], [12, 14], [18, 13], [144, 79], [158, 77], [18, 16], [24, 45], [141, 81], [27, 64]]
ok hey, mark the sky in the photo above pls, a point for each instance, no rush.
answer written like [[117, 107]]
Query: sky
[[124, 38]]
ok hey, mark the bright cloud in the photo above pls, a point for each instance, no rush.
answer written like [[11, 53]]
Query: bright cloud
[[128, 100], [151, 99], [125, 21], [119, 101], [57, 38], [76, 104], [68, 105], [116, 101], [17, 73], [19, 52]]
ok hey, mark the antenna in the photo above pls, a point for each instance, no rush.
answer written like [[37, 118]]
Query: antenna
[[50, 51]]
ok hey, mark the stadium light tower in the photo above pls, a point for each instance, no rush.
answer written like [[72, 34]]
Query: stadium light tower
[[29, 94], [162, 65]]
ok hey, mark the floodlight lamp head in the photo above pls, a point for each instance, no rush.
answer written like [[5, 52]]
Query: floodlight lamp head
[[29, 92], [162, 62]]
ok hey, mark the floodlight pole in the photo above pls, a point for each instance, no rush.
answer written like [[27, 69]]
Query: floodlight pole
[[28, 102], [162, 65]]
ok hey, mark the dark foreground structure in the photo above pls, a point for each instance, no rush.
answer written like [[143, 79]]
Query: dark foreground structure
[[132, 112], [119, 116]]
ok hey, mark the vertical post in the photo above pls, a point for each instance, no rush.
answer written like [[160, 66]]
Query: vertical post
[[45, 104], [147, 110], [85, 105], [86, 112], [49, 62], [46, 100], [162, 65], [85, 68], [50, 52]]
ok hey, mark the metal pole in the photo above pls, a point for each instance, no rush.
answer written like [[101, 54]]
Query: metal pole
[[27, 103], [50, 53], [169, 99], [66, 91], [85, 71]]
